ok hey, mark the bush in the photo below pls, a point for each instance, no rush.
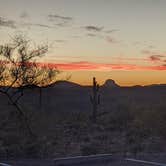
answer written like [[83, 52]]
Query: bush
[[89, 149]]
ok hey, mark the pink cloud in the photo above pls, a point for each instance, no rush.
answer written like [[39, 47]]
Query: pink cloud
[[88, 66], [155, 58], [111, 40]]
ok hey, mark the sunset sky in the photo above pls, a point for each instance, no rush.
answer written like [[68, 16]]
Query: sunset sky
[[122, 40]]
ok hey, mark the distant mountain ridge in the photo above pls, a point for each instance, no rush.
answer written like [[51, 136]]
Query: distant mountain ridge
[[66, 95], [64, 84], [110, 84]]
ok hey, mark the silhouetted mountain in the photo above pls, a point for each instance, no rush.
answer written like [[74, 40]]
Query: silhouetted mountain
[[110, 84], [65, 84], [69, 96], [156, 85]]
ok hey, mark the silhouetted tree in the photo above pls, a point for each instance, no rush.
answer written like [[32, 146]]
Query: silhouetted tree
[[19, 69]]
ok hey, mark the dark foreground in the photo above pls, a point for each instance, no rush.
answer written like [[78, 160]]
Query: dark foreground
[[94, 161]]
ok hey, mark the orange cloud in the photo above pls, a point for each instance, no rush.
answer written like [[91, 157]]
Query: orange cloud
[[87, 66]]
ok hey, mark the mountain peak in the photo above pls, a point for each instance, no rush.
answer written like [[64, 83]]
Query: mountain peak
[[65, 84], [110, 84]]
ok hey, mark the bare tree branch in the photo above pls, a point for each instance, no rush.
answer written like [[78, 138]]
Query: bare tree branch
[[18, 68]]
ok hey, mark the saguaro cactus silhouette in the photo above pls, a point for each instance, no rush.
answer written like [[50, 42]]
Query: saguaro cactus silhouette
[[95, 99]]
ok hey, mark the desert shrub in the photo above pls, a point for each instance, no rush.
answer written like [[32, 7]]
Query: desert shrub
[[32, 149], [120, 118], [90, 149]]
